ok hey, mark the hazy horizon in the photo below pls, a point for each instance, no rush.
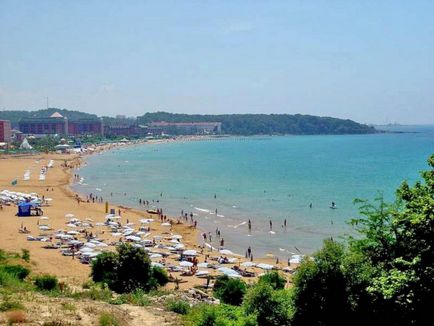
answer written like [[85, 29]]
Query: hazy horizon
[[365, 61]]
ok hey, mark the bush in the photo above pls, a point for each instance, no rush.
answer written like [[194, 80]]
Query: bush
[[10, 283], [271, 307], [17, 271], [25, 255], [274, 279], [87, 284], [96, 292], [46, 282], [160, 276], [179, 306], [127, 270], [108, 319], [321, 291], [137, 298], [230, 290]]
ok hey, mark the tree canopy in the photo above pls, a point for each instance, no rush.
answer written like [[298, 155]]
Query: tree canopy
[[266, 124], [232, 124]]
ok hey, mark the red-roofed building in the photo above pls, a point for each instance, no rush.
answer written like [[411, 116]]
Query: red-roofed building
[[5, 131]]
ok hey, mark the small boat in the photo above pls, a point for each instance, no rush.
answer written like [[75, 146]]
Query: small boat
[[152, 211]]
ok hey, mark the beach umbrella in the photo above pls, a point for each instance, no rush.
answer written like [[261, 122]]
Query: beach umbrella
[[90, 245], [185, 264], [201, 273], [102, 244], [44, 227], [116, 234], [265, 266], [73, 232], [128, 232], [158, 237], [138, 245], [155, 256], [70, 225], [174, 241], [142, 233], [74, 242], [133, 238], [226, 252], [90, 254], [176, 236], [294, 261], [166, 224], [86, 249], [155, 264], [102, 224], [48, 199], [179, 246], [69, 215], [74, 220], [203, 265], [43, 218], [189, 252], [248, 264], [234, 275], [88, 219], [227, 271], [129, 224]]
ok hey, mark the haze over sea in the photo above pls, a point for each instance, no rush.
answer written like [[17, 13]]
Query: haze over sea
[[263, 178]]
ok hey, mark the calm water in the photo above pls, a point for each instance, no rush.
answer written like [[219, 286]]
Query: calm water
[[261, 179]]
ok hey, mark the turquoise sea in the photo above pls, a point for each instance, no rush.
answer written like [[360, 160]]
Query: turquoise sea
[[263, 178]]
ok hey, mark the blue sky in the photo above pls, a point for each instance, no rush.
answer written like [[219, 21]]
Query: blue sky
[[371, 61]]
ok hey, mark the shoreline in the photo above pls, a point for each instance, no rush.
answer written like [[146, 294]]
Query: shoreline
[[58, 186], [119, 204]]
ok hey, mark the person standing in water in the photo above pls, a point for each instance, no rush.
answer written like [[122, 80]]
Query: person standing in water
[[250, 225], [271, 225], [284, 223]]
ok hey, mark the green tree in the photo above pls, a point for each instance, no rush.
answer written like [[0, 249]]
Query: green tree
[[270, 307], [320, 293], [385, 275], [127, 270], [274, 279], [230, 290]]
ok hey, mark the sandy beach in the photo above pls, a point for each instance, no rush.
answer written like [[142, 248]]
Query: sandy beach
[[64, 201]]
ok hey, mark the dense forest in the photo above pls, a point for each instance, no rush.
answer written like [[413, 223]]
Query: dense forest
[[264, 124], [233, 124]]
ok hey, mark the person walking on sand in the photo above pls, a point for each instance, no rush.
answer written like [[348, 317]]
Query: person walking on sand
[[222, 243]]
